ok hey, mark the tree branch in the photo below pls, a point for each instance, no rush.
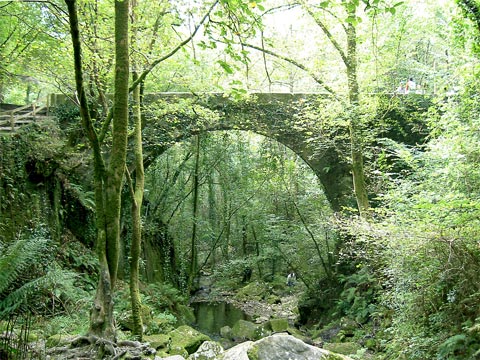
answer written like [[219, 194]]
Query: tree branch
[[175, 50], [297, 64], [327, 32]]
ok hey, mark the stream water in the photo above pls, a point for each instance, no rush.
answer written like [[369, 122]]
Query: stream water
[[211, 317]]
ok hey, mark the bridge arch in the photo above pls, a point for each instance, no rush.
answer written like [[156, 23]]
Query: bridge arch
[[173, 117]]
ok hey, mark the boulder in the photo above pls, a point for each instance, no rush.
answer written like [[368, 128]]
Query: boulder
[[209, 350], [187, 338], [158, 341], [253, 291], [284, 346], [243, 330], [178, 350], [226, 332], [238, 352], [174, 357], [279, 325]]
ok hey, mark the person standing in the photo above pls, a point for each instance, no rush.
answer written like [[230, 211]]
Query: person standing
[[410, 86]]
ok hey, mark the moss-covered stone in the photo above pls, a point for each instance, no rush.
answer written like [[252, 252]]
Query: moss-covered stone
[[345, 348], [253, 291], [297, 333], [188, 338], [178, 350], [226, 332], [279, 325], [244, 330], [158, 341]]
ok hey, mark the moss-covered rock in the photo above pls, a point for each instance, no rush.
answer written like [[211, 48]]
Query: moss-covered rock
[[253, 291], [187, 338], [226, 332], [274, 299], [178, 350], [158, 341], [244, 330], [345, 348], [279, 325]]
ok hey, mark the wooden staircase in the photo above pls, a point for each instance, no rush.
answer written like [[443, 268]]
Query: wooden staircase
[[13, 117]]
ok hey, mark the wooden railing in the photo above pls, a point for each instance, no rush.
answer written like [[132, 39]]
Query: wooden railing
[[11, 120]]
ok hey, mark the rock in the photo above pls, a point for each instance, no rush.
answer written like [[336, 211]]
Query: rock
[[238, 352], [284, 346], [348, 326], [346, 348], [226, 332], [244, 330], [253, 291], [279, 325], [178, 350], [158, 341], [186, 337], [261, 319], [174, 357], [209, 350]]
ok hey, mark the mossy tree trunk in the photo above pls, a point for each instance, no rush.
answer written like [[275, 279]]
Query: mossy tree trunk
[[358, 172], [137, 199], [192, 272], [108, 182]]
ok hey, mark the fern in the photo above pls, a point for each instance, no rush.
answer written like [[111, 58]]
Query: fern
[[18, 258], [24, 275]]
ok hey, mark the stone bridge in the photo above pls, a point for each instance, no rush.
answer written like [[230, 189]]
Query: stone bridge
[[291, 119], [287, 118]]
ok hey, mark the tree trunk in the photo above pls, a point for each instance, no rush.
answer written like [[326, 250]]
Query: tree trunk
[[194, 255], [116, 168], [358, 173], [107, 184], [137, 199]]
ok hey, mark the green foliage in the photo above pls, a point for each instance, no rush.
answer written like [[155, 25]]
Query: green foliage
[[28, 277], [358, 300], [162, 297], [459, 346]]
